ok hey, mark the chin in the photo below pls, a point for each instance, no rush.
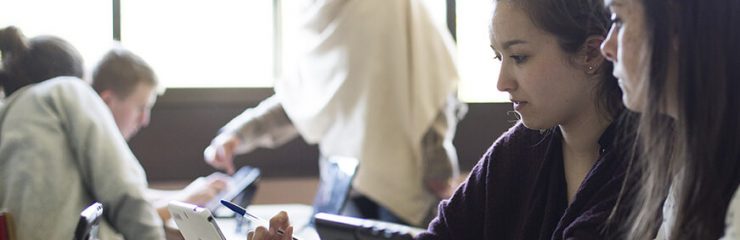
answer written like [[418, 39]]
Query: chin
[[535, 125], [631, 104]]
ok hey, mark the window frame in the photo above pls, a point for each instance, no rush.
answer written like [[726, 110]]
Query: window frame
[[451, 20]]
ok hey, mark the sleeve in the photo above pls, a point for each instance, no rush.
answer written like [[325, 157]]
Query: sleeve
[[109, 170], [439, 154], [732, 220], [266, 125], [461, 217]]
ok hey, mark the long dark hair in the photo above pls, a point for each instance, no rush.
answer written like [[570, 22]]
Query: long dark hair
[[572, 22], [35, 60], [696, 153]]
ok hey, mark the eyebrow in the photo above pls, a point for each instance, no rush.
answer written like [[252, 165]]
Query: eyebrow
[[510, 43]]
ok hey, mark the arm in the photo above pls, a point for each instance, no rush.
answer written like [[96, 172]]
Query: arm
[[110, 172], [439, 155], [266, 125]]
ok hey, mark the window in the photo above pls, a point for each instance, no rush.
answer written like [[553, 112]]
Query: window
[[202, 43], [228, 43], [86, 24], [478, 68]]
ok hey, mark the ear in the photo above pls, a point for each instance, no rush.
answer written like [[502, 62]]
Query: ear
[[590, 55], [107, 96]]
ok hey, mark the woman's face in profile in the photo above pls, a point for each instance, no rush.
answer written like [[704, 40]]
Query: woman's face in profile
[[545, 84], [626, 47]]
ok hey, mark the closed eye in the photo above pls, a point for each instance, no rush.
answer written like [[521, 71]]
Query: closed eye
[[519, 59]]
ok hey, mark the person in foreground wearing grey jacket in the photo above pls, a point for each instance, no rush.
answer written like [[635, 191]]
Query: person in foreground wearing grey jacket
[[60, 148]]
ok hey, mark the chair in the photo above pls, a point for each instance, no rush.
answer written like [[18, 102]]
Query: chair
[[88, 225], [6, 226]]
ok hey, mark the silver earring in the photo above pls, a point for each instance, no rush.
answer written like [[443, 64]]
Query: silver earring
[[590, 68]]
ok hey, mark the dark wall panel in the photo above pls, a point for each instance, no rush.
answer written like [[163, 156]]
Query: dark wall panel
[[184, 121]]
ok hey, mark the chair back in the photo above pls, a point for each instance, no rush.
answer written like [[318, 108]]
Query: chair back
[[88, 225], [6, 226]]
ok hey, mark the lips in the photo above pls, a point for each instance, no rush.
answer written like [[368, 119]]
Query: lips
[[518, 105]]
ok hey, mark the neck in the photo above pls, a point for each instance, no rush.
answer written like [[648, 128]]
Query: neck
[[581, 147], [581, 135]]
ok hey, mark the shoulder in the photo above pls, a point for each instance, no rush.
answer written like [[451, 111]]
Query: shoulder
[[70, 85], [65, 91], [732, 220], [49, 93]]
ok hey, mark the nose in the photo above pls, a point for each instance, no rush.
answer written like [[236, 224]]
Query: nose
[[609, 46], [506, 83]]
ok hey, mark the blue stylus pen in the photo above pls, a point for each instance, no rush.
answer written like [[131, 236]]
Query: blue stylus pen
[[241, 211]]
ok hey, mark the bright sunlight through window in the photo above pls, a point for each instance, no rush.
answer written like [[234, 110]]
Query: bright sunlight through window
[[86, 24], [202, 43], [478, 69], [227, 43]]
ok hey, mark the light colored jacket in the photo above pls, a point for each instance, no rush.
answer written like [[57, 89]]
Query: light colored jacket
[[60, 150]]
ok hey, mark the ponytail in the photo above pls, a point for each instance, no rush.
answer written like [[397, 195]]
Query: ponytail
[[31, 61], [12, 42]]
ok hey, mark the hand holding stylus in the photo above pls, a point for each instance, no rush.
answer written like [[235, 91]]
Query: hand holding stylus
[[276, 232], [279, 225]]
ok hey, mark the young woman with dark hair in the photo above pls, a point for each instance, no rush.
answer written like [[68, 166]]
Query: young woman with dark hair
[[677, 63], [557, 173]]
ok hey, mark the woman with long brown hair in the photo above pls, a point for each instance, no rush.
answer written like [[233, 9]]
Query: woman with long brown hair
[[677, 63]]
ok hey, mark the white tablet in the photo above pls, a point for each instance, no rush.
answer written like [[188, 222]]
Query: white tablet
[[195, 223]]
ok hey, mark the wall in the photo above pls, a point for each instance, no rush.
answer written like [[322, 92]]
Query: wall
[[184, 121]]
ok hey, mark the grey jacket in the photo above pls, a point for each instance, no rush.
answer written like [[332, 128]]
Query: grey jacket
[[60, 150]]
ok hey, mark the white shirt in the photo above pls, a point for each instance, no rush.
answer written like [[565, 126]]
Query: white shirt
[[732, 220], [368, 82]]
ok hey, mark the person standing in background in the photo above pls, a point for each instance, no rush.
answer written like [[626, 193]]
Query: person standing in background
[[373, 80]]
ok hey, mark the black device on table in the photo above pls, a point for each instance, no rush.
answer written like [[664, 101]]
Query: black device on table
[[335, 227]]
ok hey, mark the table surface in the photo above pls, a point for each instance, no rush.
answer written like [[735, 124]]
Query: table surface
[[299, 214]]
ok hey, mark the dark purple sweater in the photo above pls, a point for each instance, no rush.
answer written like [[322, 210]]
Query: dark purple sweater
[[518, 191]]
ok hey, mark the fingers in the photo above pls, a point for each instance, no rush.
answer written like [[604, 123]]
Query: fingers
[[288, 234], [260, 233], [224, 158], [280, 225], [220, 154], [217, 185], [279, 229], [280, 221]]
